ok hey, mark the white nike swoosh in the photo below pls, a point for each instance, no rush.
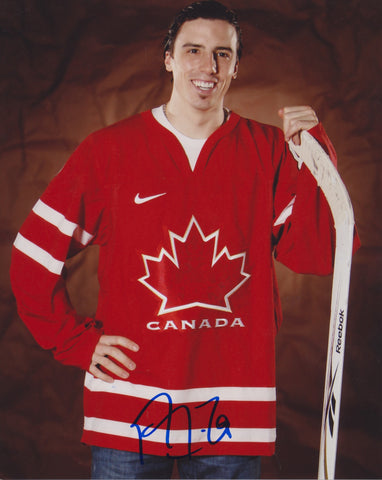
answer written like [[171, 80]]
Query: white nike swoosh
[[139, 200]]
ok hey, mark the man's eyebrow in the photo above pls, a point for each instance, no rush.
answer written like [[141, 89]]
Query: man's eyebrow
[[197, 45], [226, 49], [194, 45]]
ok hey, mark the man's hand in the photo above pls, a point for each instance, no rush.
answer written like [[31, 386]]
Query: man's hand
[[106, 351], [296, 119]]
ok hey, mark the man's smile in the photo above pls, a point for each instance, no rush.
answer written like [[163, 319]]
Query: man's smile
[[203, 84]]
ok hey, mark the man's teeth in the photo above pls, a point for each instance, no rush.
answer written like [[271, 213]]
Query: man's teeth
[[203, 85]]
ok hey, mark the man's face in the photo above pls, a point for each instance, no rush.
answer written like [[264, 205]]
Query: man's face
[[203, 62]]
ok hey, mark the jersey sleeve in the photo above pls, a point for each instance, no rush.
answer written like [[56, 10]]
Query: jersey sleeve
[[66, 219], [303, 228]]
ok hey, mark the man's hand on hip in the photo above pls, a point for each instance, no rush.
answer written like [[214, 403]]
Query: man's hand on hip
[[106, 352]]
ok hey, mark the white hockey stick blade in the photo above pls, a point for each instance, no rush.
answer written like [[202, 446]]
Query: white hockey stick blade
[[318, 162]]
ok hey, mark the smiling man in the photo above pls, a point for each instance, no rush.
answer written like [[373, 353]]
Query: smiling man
[[203, 62], [189, 203]]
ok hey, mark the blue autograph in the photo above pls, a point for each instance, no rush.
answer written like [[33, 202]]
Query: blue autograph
[[221, 423]]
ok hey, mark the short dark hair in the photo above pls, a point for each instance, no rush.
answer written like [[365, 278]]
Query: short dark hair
[[208, 9]]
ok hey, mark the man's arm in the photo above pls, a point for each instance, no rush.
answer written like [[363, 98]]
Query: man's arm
[[303, 229], [304, 233], [64, 221]]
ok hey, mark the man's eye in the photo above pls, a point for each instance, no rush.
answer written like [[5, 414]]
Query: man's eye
[[223, 54], [193, 50]]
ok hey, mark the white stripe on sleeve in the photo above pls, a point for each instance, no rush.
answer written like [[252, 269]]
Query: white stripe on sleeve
[[65, 226], [38, 254], [287, 212]]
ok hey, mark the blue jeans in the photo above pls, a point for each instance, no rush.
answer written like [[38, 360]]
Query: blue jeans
[[109, 464]]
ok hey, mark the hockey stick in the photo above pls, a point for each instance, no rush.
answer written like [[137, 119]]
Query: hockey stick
[[323, 170]]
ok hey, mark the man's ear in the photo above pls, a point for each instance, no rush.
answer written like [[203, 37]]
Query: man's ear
[[168, 61], [236, 71]]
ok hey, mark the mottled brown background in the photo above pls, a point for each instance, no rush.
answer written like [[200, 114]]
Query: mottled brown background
[[69, 67]]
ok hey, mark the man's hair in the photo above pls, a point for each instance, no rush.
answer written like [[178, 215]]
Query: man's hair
[[208, 9]]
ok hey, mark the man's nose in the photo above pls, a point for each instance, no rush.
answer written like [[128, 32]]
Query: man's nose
[[210, 64]]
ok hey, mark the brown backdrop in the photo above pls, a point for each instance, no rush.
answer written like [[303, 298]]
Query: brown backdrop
[[69, 67]]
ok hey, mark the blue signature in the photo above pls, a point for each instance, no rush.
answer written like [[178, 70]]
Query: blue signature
[[221, 423]]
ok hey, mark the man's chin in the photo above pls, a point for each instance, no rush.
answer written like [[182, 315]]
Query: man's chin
[[205, 103]]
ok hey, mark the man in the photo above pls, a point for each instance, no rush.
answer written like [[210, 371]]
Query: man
[[188, 203]]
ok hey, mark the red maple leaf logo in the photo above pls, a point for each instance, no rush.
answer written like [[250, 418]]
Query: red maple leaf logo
[[194, 274]]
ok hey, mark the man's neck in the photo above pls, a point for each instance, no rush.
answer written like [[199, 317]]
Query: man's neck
[[193, 122]]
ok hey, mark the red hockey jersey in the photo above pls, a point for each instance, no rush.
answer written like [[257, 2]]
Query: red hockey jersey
[[185, 270]]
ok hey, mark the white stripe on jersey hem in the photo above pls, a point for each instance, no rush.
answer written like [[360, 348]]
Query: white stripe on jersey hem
[[123, 429], [287, 212], [65, 226], [38, 254], [227, 394]]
